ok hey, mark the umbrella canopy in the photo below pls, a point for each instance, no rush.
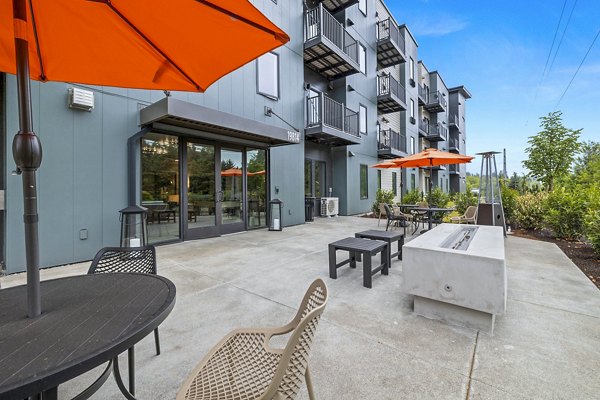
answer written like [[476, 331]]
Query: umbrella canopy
[[238, 172], [385, 165], [144, 44], [431, 158]]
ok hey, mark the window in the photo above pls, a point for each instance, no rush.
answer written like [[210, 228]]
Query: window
[[362, 6], [411, 70], [364, 181], [362, 58], [413, 182], [379, 179], [412, 109], [362, 118], [412, 146], [395, 183], [267, 75], [314, 178]]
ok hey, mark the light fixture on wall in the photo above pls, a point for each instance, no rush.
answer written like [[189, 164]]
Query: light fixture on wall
[[349, 22], [351, 88], [384, 119], [351, 154]]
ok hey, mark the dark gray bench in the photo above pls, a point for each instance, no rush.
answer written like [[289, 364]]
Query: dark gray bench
[[365, 248], [387, 236]]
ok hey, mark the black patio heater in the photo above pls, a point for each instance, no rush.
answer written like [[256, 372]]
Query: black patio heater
[[275, 213], [134, 231]]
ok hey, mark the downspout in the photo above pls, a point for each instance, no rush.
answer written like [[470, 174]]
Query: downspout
[[133, 149]]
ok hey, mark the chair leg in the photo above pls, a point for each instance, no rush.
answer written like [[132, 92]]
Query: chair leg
[[311, 393], [157, 342]]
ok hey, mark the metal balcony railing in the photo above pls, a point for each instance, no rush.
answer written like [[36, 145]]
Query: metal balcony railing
[[453, 120], [454, 168], [436, 98], [322, 110], [387, 84], [453, 144], [424, 93], [387, 29], [424, 125], [319, 21], [438, 130], [392, 140]]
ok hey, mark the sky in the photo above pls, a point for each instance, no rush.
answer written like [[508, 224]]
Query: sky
[[499, 50]]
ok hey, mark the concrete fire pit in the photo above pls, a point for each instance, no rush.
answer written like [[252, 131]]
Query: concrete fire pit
[[457, 274]]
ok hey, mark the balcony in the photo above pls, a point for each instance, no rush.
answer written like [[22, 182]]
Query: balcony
[[391, 144], [334, 6], [454, 169], [455, 122], [391, 96], [329, 49], [390, 44], [453, 145], [433, 132], [436, 103], [329, 122], [423, 95]]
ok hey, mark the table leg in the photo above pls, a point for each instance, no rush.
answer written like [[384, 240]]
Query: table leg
[[332, 263], [131, 367], [50, 394], [400, 246], [430, 216], [385, 260], [367, 280], [353, 257], [119, 380]]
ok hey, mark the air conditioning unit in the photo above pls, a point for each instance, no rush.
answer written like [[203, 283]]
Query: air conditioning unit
[[329, 206], [81, 99]]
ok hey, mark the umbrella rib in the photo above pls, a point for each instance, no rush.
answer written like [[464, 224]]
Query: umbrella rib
[[37, 43], [141, 34], [239, 17]]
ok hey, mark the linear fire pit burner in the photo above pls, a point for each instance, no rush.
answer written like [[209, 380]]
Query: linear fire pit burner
[[461, 238]]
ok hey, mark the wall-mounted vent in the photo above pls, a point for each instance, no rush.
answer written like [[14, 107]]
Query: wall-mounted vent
[[81, 99]]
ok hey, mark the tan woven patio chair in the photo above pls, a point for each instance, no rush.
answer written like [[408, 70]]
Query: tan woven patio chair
[[467, 218], [381, 212], [244, 366]]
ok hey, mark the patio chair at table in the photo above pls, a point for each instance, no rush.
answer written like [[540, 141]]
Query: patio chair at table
[[396, 217], [467, 218], [243, 365], [127, 259], [381, 212], [421, 217]]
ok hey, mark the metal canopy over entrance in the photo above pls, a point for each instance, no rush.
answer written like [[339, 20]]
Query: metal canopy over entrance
[[213, 124]]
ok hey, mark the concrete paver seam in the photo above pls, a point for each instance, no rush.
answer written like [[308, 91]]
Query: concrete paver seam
[[472, 366]]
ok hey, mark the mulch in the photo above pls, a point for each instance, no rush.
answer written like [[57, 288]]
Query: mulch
[[579, 252]]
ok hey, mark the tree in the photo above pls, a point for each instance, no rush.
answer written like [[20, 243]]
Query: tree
[[587, 165], [552, 151]]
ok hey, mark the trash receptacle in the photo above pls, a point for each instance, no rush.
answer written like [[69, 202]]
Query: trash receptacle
[[309, 205]]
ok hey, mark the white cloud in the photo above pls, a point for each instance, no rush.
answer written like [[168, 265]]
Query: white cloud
[[440, 26]]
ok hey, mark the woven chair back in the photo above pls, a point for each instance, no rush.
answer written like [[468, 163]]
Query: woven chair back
[[125, 259], [470, 212], [294, 360]]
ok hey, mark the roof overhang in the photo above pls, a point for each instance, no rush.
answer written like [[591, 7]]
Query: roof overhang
[[206, 122], [461, 89]]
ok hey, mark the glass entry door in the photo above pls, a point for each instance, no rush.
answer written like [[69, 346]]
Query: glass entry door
[[231, 194], [201, 205]]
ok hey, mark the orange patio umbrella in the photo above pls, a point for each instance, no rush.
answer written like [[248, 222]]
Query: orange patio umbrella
[[145, 44]]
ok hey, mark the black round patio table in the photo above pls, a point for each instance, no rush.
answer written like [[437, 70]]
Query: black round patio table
[[430, 211], [86, 321]]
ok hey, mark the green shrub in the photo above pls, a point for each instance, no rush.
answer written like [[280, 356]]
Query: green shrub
[[382, 196], [437, 198], [565, 212], [592, 229], [529, 211], [509, 202], [412, 197], [463, 201], [147, 196]]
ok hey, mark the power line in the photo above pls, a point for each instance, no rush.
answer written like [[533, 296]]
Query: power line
[[550, 51], [578, 68], [562, 36]]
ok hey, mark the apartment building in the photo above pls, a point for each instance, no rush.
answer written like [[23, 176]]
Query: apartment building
[[306, 120]]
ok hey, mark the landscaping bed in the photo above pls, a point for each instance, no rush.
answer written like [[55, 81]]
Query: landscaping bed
[[579, 252]]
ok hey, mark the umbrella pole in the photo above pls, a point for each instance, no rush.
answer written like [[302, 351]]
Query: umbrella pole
[[27, 152]]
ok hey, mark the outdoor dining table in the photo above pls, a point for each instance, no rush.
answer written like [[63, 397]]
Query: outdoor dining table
[[86, 321], [430, 211]]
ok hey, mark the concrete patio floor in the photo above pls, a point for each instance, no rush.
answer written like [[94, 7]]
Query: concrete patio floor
[[369, 345]]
